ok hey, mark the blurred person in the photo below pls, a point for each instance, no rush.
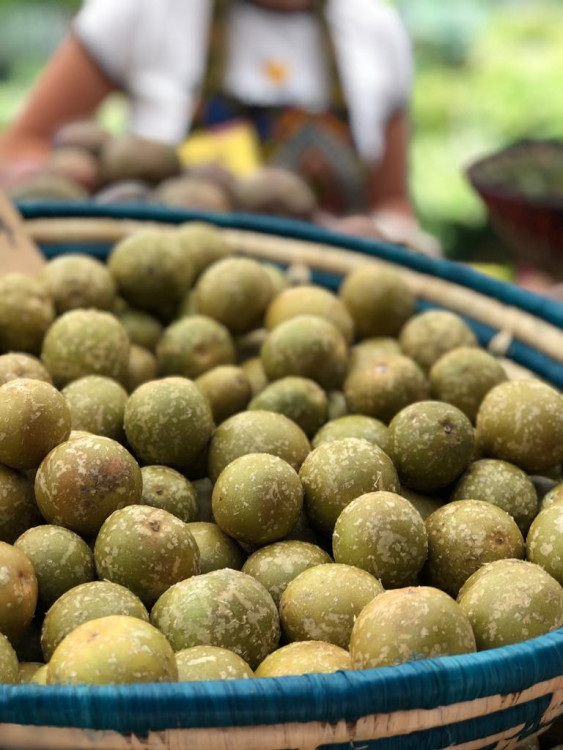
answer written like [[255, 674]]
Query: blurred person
[[324, 83]]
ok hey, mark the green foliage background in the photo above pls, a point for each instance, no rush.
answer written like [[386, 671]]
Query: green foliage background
[[487, 74]]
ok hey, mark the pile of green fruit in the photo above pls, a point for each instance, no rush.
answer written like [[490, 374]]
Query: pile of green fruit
[[88, 162], [208, 473]]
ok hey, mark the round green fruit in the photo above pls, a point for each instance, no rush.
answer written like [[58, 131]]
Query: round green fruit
[[257, 498], [113, 650], [408, 624], [431, 443], [80, 604], [61, 560], [305, 657], [323, 602], [34, 418], [521, 421], [338, 472], [381, 532], [464, 535], [85, 342], [168, 421], [224, 608], [277, 564], [256, 432], [509, 601], [145, 549], [82, 481], [201, 663]]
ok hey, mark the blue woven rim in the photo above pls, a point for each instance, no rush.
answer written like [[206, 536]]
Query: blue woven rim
[[313, 698], [542, 308], [323, 698]]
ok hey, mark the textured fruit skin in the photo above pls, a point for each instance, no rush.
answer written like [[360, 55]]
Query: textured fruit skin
[[378, 299], [544, 543], [354, 426], [40, 677], [85, 342], [27, 670], [509, 601], [521, 421], [300, 399], [15, 365], [88, 601], [256, 432], [151, 270], [34, 418], [408, 624], [18, 510], [18, 591], [310, 300], [142, 328], [275, 565], [384, 387], [97, 404], [554, 496], [169, 490], [305, 657], [61, 560], [431, 443], [141, 367], [235, 292], [216, 549], [191, 346], [228, 390], [322, 603], [257, 498], [309, 347], [424, 504], [338, 472], [464, 535], [113, 650], [168, 421], [203, 244], [224, 608], [429, 335], [382, 533], [145, 549], [368, 351], [77, 280], [82, 481], [26, 312], [9, 666], [337, 406], [502, 484], [464, 376], [210, 663]]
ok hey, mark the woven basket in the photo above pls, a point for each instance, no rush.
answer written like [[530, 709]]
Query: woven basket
[[529, 218], [490, 699]]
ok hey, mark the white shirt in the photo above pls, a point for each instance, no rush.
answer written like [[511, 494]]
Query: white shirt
[[156, 50]]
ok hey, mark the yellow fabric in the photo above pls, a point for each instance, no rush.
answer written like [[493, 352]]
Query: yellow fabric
[[234, 146]]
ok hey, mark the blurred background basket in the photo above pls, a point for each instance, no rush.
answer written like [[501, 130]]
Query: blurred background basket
[[522, 187], [491, 699]]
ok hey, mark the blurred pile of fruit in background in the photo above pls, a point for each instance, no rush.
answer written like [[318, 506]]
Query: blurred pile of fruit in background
[[487, 74]]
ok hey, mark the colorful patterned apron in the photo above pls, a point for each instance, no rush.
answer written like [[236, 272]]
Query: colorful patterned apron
[[319, 147]]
